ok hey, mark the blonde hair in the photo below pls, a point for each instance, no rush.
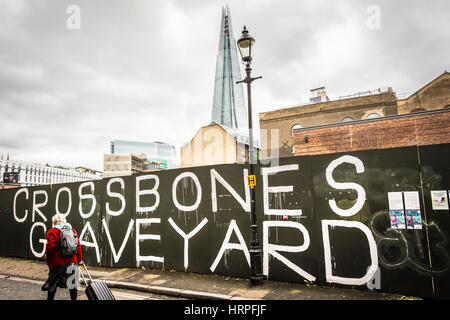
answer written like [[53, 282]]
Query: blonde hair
[[58, 218]]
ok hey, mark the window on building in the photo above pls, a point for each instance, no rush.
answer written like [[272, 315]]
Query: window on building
[[348, 119], [294, 127], [373, 116]]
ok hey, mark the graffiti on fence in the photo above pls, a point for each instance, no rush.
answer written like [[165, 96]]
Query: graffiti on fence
[[322, 219]]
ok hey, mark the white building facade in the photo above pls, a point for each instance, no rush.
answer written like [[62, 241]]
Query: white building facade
[[37, 174]]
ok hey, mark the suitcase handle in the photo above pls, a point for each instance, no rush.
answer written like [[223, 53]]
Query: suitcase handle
[[90, 278]]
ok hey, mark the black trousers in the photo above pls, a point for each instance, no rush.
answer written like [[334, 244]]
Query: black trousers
[[58, 277]]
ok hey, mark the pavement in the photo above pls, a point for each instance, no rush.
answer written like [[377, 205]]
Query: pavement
[[197, 286]]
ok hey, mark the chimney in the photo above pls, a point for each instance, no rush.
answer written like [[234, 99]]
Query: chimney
[[319, 95]]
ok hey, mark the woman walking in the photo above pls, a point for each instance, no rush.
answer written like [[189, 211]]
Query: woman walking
[[63, 253]]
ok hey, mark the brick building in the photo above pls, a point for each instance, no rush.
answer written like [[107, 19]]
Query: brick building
[[362, 106], [413, 129]]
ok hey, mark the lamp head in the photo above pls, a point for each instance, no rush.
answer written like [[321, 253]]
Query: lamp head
[[245, 45]]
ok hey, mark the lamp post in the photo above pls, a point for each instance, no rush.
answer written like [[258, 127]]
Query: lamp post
[[245, 45]]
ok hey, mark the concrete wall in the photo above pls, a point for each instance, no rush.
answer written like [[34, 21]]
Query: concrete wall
[[324, 219]]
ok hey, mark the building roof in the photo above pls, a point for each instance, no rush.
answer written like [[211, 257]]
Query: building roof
[[426, 86], [299, 109], [239, 135]]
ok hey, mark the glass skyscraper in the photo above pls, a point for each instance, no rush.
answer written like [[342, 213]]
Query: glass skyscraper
[[229, 107]]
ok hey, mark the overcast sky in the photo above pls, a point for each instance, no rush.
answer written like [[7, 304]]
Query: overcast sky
[[144, 69]]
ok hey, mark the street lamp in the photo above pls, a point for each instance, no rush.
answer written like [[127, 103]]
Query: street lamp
[[245, 45]]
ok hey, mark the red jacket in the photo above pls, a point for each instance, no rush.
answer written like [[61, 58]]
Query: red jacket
[[52, 255]]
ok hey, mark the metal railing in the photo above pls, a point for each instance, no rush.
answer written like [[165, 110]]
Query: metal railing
[[367, 93]]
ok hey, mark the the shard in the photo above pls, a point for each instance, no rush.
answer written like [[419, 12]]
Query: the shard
[[229, 107]]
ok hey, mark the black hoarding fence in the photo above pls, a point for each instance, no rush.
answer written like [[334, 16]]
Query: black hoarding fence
[[375, 220]]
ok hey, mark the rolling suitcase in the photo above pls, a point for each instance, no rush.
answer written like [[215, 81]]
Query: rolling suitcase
[[96, 290]]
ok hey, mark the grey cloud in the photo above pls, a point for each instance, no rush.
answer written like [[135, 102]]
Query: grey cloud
[[144, 70]]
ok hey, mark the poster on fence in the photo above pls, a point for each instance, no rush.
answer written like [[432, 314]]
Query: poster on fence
[[439, 199], [397, 218], [413, 219]]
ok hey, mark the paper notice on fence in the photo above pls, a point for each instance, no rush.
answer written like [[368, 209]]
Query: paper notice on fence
[[411, 200], [439, 199], [413, 219], [395, 201], [397, 219]]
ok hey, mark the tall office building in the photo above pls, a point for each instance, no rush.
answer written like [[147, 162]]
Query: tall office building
[[229, 107]]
